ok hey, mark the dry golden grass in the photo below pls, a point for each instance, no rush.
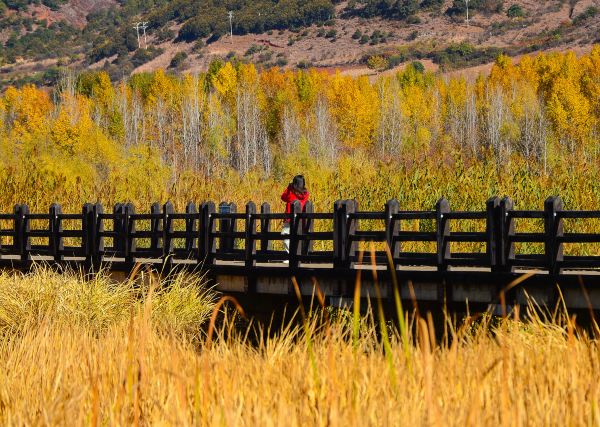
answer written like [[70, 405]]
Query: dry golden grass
[[85, 353]]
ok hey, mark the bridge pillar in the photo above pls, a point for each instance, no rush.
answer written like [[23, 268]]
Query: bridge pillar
[[129, 233], [55, 227], [190, 228], [167, 228], [443, 231], [97, 239], [206, 243], [87, 232], [507, 229], [339, 232], [156, 227], [392, 227], [553, 229], [492, 230], [250, 232], [265, 227]]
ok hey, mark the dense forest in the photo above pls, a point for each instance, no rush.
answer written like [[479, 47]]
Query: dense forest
[[528, 130]]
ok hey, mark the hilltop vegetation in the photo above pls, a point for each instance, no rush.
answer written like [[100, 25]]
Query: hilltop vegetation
[[38, 37]]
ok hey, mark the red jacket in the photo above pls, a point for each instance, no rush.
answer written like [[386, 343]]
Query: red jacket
[[289, 196]]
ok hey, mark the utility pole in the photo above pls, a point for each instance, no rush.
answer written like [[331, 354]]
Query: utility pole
[[467, 3], [137, 31], [144, 26], [141, 25], [231, 25]]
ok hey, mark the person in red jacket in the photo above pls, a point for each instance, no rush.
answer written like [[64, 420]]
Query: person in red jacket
[[296, 190]]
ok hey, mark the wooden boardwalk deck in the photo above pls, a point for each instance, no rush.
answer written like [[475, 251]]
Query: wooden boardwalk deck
[[237, 250]]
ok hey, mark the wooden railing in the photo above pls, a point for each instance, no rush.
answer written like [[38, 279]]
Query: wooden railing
[[208, 235]]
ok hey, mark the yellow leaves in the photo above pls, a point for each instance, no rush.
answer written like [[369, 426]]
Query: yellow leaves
[[29, 106], [527, 71], [569, 110], [247, 75], [141, 175], [162, 88], [377, 62], [103, 90], [355, 106], [225, 82], [503, 72]]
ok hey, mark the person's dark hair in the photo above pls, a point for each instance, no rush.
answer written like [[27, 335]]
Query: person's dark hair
[[298, 184]]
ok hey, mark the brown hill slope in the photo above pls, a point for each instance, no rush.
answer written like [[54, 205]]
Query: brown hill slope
[[350, 43]]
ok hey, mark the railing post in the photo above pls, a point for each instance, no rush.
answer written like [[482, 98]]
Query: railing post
[[339, 233], [265, 227], [392, 227], [190, 228], [129, 232], [21, 230], [206, 242], [118, 241], [492, 227], [308, 226], [250, 243], [98, 238], [156, 227], [351, 247], [553, 228], [295, 231], [506, 231], [443, 231], [87, 234], [227, 225], [168, 211], [55, 228]]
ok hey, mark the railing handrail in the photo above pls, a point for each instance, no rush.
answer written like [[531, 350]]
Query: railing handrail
[[209, 232]]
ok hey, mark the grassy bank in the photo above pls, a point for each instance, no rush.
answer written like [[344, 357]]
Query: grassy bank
[[75, 351]]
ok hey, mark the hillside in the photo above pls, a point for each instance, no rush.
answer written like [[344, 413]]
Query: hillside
[[356, 36]]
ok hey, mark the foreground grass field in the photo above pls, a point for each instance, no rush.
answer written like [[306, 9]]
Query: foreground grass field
[[84, 352]]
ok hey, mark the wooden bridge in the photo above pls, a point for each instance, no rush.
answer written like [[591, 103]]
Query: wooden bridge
[[242, 251]]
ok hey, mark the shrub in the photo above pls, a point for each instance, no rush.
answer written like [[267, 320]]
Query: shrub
[[141, 56], [377, 62], [515, 11], [304, 64], [253, 49], [418, 66], [165, 34], [178, 60], [588, 13], [194, 29], [395, 60], [331, 34], [357, 35], [198, 46], [364, 39], [265, 56]]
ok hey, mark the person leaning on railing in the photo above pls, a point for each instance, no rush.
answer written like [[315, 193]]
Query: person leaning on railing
[[296, 190]]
